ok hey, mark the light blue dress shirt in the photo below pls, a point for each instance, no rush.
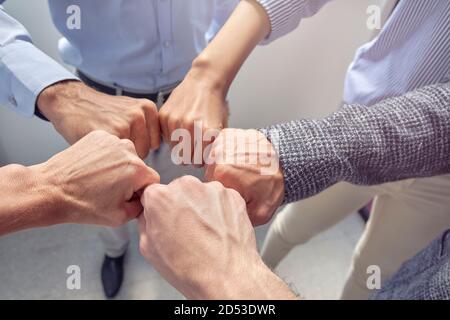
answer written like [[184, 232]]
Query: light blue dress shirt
[[140, 45]]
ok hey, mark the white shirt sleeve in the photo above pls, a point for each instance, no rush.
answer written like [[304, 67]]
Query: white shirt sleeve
[[24, 70]]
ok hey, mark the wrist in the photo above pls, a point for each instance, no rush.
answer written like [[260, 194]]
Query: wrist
[[51, 192], [53, 100], [28, 201], [210, 75], [245, 280]]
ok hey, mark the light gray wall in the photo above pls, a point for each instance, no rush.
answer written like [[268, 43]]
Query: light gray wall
[[300, 75]]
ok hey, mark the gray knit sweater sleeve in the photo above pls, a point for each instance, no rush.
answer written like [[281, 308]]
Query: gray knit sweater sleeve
[[397, 138]]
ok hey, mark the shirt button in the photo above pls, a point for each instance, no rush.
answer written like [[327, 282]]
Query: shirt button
[[166, 44]]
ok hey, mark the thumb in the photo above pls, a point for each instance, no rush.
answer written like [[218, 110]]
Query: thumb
[[144, 177]]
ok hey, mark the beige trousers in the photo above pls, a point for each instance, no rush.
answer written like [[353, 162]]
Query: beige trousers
[[405, 217]]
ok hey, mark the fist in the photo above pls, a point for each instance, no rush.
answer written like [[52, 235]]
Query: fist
[[97, 180], [75, 110], [194, 232], [192, 118], [246, 161]]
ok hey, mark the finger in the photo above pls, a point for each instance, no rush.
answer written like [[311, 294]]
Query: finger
[[208, 150], [234, 179], [259, 213], [141, 139], [153, 127], [144, 177], [209, 172], [150, 193], [163, 119], [133, 209], [196, 143], [172, 125]]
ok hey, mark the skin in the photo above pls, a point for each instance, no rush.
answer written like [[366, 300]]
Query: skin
[[202, 94], [263, 190], [93, 182], [199, 237], [75, 110]]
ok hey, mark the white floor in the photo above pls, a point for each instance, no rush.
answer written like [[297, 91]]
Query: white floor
[[33, 264]]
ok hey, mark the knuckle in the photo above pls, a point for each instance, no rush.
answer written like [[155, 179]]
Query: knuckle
[[172, 122], [155, 175], [189, 120], [163, 114], [122, 130], [191, 179], [216, 185], [236, 196], [221, 173], [188, 180], [260, 217], [151, 108], [153, 191], [127, 144], [137, 115], [98, 134]]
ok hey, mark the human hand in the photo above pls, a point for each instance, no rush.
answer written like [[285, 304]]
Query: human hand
[[198, 107], [75, 110], [198, 236], [96, 180], [246, 161]]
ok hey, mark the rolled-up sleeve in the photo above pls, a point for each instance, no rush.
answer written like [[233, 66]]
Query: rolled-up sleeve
[[24, 70], [285, 15]]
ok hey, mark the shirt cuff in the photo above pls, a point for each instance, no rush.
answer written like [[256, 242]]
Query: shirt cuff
[[284, 16], [29, 71]]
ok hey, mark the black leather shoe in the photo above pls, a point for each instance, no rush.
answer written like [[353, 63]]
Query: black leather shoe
[[112, 275]]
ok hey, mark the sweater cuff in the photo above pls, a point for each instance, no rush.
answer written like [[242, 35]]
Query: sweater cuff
[[308, 163]]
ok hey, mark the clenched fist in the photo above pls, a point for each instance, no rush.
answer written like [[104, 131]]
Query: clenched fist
[[97, 180], [246, 161], [75, 110], [200, 110], [199, 237]]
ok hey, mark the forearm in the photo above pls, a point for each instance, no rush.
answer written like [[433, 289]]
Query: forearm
[[221, 60], [249, 281], [28, 200], [251, 22], [398, 138]]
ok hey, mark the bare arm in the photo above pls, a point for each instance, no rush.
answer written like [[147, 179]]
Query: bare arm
[[28, 199], [201, 97], [92, 182], [220, 62]]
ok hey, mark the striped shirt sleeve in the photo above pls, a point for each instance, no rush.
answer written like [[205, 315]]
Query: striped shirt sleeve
[[285, 15]]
